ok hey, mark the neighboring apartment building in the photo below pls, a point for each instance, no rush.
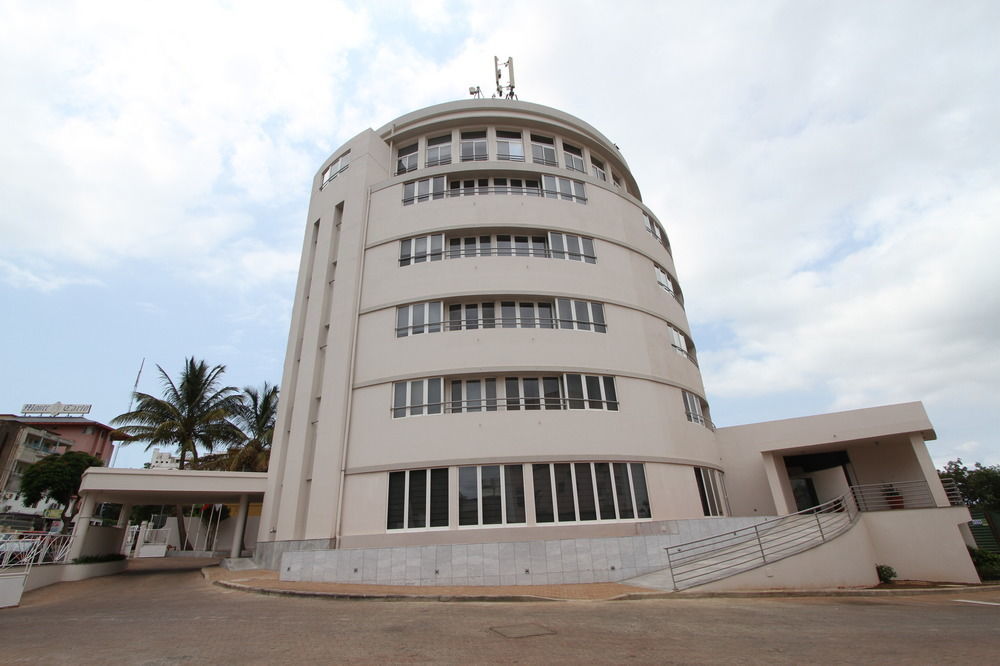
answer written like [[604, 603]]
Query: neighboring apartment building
[[163, 460], [85, 435], [22, 444]]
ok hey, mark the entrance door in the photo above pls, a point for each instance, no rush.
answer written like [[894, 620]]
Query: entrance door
[[804, 492]]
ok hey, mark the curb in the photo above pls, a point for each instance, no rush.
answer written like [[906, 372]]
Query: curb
[[378, 597]]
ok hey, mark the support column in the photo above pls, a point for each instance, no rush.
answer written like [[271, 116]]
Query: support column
[[241, 522], [123, 516], [929, 471], [81, 527], [777, 479]]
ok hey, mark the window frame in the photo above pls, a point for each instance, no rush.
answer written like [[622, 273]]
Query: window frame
[[507, 138], [476, 142], [599, 508], [406, 158], [428, 500], [544, 145], [573, 158], [333, 169], [439, 144]]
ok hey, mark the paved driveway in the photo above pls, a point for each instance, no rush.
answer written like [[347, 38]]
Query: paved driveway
[[175, 617]]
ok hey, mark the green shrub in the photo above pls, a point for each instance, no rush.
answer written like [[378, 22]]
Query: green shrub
[[987, 564], [94, 559], [885, 572]]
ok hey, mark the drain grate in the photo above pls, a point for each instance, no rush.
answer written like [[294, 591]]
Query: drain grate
[[522, 630]]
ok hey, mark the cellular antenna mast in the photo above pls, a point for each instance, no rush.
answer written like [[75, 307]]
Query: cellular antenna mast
[[509, 64]]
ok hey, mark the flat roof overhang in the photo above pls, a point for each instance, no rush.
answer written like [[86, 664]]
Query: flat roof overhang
[[155, 486]]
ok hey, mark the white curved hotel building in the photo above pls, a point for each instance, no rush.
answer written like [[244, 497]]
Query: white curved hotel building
[[489, 354]]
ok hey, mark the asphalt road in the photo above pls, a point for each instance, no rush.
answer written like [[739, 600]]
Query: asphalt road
[[175, 617]]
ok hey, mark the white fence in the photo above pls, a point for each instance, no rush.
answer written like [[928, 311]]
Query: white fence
[[26, 549]]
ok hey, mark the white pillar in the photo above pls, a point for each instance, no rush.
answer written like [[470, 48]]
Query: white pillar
[[82, 526], [241, 521], [781, 487], [123, 516], [140, 538], [928, 470]]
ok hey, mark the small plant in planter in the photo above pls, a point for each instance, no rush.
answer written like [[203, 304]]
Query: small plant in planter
[[885, 573]]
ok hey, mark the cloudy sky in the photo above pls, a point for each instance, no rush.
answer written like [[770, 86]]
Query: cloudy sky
[[828, 173]]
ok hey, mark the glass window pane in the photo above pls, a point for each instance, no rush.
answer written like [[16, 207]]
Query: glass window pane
[[574, 391], [456, 396], [434, 317], [473, 396], [557, 243], [471, 316], [582, 316], [545, 316], [565, 313], [418, 319], [437, 245], [492, 511], [550, 186], [585, 492], [454, 248], [504, 246], [484, 246], [434, 395], [514, 491], [521, 246], [468, 496], [701, 490], [439, 497], [408, 189], [624, 491], [398, 400], [508, 314], [420, 250], [566, 187], [531, 400], [397, 490], [564, 492], [490, 386], [610, 395], [437, 187], [402, 321], [455, 317], [417, 509], [641, 495], [470, 247], [489, 315], [588, 250], [538, 246], [551, 388], [598, 311], [605, 494], [573, 247], [594, 392], [404, 252], [543, 494], [513, 393], [416, 397], [527, 315]]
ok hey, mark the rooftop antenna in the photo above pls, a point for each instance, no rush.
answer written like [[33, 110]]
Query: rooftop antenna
[[509, 64]]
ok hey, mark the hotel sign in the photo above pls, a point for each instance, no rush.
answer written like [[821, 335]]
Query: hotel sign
[[54, 409]]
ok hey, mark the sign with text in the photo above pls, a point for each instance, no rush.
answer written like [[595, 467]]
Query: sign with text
[[54, 408]]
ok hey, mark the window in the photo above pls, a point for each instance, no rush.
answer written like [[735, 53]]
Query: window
[[571, 190], [574, 158], [491, 495], [581, 315], [438, 151], [681, 344], [420, 249], [473, 146], [616, 181], [590, 392], [509, 146], [543, 150], [513, 314], [418, 498], [489, 394], [668, 283], [335, 167], [416, 397], [577, 492], [598, 168], [574, 248], [696, 410], [406, 159], [418, 318], [712, 491], [423, 190], [654, 229]]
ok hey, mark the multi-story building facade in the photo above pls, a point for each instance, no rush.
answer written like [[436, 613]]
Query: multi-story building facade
[[489, 345]]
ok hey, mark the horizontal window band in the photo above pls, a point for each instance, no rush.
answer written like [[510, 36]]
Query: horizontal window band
[[522, 460]]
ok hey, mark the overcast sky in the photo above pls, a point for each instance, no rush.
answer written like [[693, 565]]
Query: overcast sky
[[828, 174]]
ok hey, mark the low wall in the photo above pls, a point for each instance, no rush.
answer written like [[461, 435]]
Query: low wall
[[580, 560], [13, 581], [102, 540], [922, 544]]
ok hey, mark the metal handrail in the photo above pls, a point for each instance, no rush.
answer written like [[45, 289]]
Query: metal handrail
[[952, 491], [502, 403], [520, 190], [684, 352], [722, 555], [498, 321], [462, 253], [890, 495]]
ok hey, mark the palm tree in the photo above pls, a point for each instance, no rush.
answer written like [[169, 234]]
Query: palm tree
[[255, 416], [192, 412]]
